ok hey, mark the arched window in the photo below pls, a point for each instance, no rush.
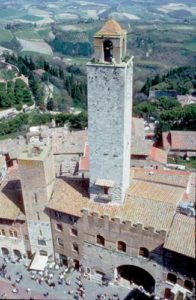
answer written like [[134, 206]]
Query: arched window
[[188, 285], [171, 277], [11, 233], [108, 50], [3, 232], [100, 240], [15, 234], [121, 246], [144, 252], [75, 247]]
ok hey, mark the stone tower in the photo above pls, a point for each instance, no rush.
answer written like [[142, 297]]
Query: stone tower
[[109, 113], [37, 175]]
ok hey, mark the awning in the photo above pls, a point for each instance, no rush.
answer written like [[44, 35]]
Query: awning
[[104, 182], [39, 262]]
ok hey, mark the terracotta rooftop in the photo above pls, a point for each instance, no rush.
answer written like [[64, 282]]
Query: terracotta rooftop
[[179, 140], [140, 146], [158, 155], [11, 206], [148, 203], [111, 27], [169, 177], [181, 237], [138, 127]]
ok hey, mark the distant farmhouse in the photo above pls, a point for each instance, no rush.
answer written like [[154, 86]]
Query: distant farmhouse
[[182, 143]]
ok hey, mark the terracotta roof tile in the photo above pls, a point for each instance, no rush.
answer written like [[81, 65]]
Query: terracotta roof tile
[[111, 27], [158, 155], [147, 203], [169, 177], [181, 238]]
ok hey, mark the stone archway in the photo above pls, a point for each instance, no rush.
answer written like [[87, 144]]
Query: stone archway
[[138, 276], [5, 251], [17, 253]]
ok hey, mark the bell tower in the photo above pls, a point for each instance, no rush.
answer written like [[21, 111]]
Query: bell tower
[[109, 76], [110, 43]]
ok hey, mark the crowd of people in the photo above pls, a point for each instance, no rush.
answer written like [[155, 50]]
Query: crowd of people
[[52, 280]]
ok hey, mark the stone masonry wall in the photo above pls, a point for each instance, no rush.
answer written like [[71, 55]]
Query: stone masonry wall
[[109, 113]]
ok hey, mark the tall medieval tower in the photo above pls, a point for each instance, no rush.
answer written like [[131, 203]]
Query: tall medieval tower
[[37, 174], [109, 113]]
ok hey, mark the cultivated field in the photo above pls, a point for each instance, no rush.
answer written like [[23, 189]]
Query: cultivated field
[[5, 35], [35, 46]]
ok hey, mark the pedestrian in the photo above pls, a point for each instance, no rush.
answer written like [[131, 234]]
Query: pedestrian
[[21, 277], [9, 278]]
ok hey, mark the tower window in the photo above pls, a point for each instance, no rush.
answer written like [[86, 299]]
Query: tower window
[[60, 242], [188, 285], [144, 252], [42, 242], [38, 216], [11, 233], [57, 214], [105, 190], [108, 50], [172, 278], [100, 240], [35, 198], [121, 246], [15, 234], [74, 232], [59, 227], [75, 247]]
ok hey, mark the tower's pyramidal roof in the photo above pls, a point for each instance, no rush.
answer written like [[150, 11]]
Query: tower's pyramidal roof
[[111, 27]]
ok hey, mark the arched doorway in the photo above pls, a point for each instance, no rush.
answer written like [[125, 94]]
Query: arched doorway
[[17, 253], [5, 251], [138, 276]]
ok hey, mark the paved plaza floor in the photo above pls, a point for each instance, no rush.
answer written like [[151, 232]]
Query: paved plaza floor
[[29, 288]]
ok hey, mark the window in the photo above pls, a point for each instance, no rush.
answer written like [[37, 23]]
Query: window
[[144, 252], [59, 227], [105, 190], [15, 234], [43, 252], [108, 50], [57, 214], [100, 240], [3, 232], [26, 237], [38, 216], [11, 233], [35, 198], [73, 219], [74, 232], [172, 278], [121, 246], [188, 285], [42, 242], [75, 247], [40, 232], [60, 242]]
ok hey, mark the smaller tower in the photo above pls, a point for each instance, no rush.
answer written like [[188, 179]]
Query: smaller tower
[[37, 175]]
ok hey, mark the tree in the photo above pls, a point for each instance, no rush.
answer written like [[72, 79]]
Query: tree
[[50, 104]]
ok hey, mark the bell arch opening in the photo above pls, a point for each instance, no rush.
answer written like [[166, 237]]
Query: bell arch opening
[[138, 276], [108, 50]]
